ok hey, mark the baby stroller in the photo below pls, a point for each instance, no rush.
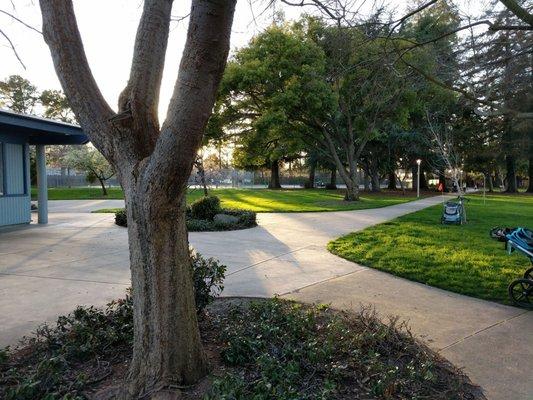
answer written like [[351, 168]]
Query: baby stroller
[[454, 212], [521, 239]]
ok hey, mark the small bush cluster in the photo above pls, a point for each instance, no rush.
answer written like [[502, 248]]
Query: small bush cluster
[[282, 350], [77, 351], [206, 208], [121, 218], [200, 216]]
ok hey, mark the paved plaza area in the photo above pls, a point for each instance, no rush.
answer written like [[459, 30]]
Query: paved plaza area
[[81, 258]]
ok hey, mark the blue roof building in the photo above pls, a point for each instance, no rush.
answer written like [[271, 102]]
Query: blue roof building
[[17, 133]]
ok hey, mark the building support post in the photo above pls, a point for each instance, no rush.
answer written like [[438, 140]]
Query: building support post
[[42, 185]]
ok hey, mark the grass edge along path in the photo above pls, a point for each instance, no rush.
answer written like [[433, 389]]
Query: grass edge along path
[[266, 200], [461, 259]]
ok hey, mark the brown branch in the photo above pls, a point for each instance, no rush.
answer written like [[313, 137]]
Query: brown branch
[[13, 49], [21, 21], [517, 10]]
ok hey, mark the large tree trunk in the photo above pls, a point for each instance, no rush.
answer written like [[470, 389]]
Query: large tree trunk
[[274, 182], [510, 176], [167, 349], [153, 163], [352, 191], [310, 184]]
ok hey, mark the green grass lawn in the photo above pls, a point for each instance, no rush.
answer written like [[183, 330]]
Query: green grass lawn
[[462, 259], [260, 200], [79, 193]]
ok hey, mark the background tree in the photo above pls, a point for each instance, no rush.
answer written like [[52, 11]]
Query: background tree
[[56, 106], [267, 88], [153, 164], [18, 94], [92, 162]]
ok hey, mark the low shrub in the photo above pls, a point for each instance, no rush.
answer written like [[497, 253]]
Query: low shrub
[[206, 208], [121, 218], [76, 351], [275, 349], [247, 219]]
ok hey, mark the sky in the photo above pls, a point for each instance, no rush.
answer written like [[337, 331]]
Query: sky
[[108, 30]]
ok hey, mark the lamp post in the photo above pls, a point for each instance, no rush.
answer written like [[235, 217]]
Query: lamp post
[[418, 162]]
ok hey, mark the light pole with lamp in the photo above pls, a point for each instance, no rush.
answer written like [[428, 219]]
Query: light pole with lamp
[[418, 162]]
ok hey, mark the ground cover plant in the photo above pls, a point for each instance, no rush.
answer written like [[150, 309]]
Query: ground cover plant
[[206, 214], [64, 360], [461, 259], [263, 349], [285, 200]]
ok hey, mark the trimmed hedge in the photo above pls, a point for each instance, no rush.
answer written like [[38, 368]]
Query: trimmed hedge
[[206, 207]]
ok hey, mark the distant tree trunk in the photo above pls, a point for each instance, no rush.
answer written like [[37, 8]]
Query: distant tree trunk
[[332, 185], [104, 189], [414, 173], [423, 180], [510, 176], [310, 184], [274, 182], [366, 181], [375, 181], [199, 164], [489, 181], [442, 180], [392, 180], [530, 168]]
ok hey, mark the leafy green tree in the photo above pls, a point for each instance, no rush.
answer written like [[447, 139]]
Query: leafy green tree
[[268, 92], [56, 106], [18, 94], [90, 160]]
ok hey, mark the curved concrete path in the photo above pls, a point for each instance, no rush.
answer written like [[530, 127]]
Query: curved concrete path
[[82, 258]]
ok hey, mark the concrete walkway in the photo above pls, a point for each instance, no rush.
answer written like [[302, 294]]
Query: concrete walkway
[[82, 258]]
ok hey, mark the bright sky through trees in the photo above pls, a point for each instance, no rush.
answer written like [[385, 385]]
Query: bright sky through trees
[[108, 37]]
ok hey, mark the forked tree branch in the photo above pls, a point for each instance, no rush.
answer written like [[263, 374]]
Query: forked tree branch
[[202, 64], [140, 98], [61, 33]]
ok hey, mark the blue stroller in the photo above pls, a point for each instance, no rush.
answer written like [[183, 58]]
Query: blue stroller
[[521, 239], [454, 212]]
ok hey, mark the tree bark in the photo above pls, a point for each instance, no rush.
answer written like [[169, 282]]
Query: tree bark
[[167, 348], [332, 185], [274, 182]]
